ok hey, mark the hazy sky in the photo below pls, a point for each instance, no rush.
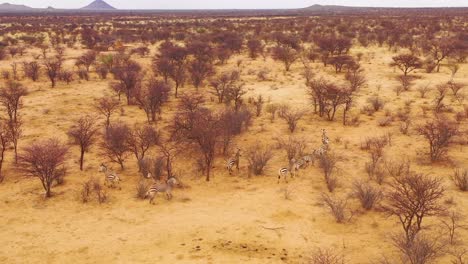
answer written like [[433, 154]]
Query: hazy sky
[[229, 4]]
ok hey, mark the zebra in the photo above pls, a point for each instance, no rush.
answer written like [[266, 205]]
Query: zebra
[[283, 172], [233, 161], [110, 177], [161, 188]]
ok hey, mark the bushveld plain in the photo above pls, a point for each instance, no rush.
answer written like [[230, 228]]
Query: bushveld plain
[[363, 116]]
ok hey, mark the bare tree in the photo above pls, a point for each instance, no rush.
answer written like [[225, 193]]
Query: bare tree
[[53, 67], [31, 70], [114, 145], [87, 59], [151, 97], [141, 139], [83, 134], [128, 75], [452, 223], [286, 55], [11, 99], [5, 139], [44, 160], [223, 83], [107, 106], [438, 132], [412, 198]]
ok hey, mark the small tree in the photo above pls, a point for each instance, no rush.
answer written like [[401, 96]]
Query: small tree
[[286, 55], [142, 139], [114, 145], [107, 106], [438, 133], [44, 160], [53, 67], [222, 83], [5, 139], [412, 198], [151, 97], [83, 134], [31, 70], [128, 75], [87, 59], [406, 63]]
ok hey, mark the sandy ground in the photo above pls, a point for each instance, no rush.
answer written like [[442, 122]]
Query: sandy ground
[[231, 219]]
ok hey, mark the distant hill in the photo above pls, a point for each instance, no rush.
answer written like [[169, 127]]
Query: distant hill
[[11, 7], [98, 5]]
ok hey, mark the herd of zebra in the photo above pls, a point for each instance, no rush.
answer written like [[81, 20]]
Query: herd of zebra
[[113, 180], [294, 165]]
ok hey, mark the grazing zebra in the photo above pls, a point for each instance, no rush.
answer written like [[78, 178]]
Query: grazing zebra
[[283, 172], [161, 188], [111, 177], [233, 161]]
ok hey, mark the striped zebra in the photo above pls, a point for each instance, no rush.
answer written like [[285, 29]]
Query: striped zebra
[[233, 161], [161, 188], [283, 172], [111, 178]]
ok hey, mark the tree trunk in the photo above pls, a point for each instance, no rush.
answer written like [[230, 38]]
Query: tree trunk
[[81, 159]]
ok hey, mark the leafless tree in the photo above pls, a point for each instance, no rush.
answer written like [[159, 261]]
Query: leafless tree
[[53, 67], [44, 160], [87, 59], [5, 140], [151, 96], [438, 132], [114, 146], [141, 139], [412, 198], [107, 106], [83, 134], [223, 83], [32, 70]]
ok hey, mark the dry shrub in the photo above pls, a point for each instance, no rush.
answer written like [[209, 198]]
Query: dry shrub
[[367, 194], [328, 163], [460, 178], [423, 90], [376, 103], [405, 126], [438, 132], [326, 256], [385, 121], [141, 189], [338, 207], [397, 168], [258, 156], [93, 188], [421, 250]]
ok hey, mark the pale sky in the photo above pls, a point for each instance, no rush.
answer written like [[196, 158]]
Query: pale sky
[[238, 4]]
